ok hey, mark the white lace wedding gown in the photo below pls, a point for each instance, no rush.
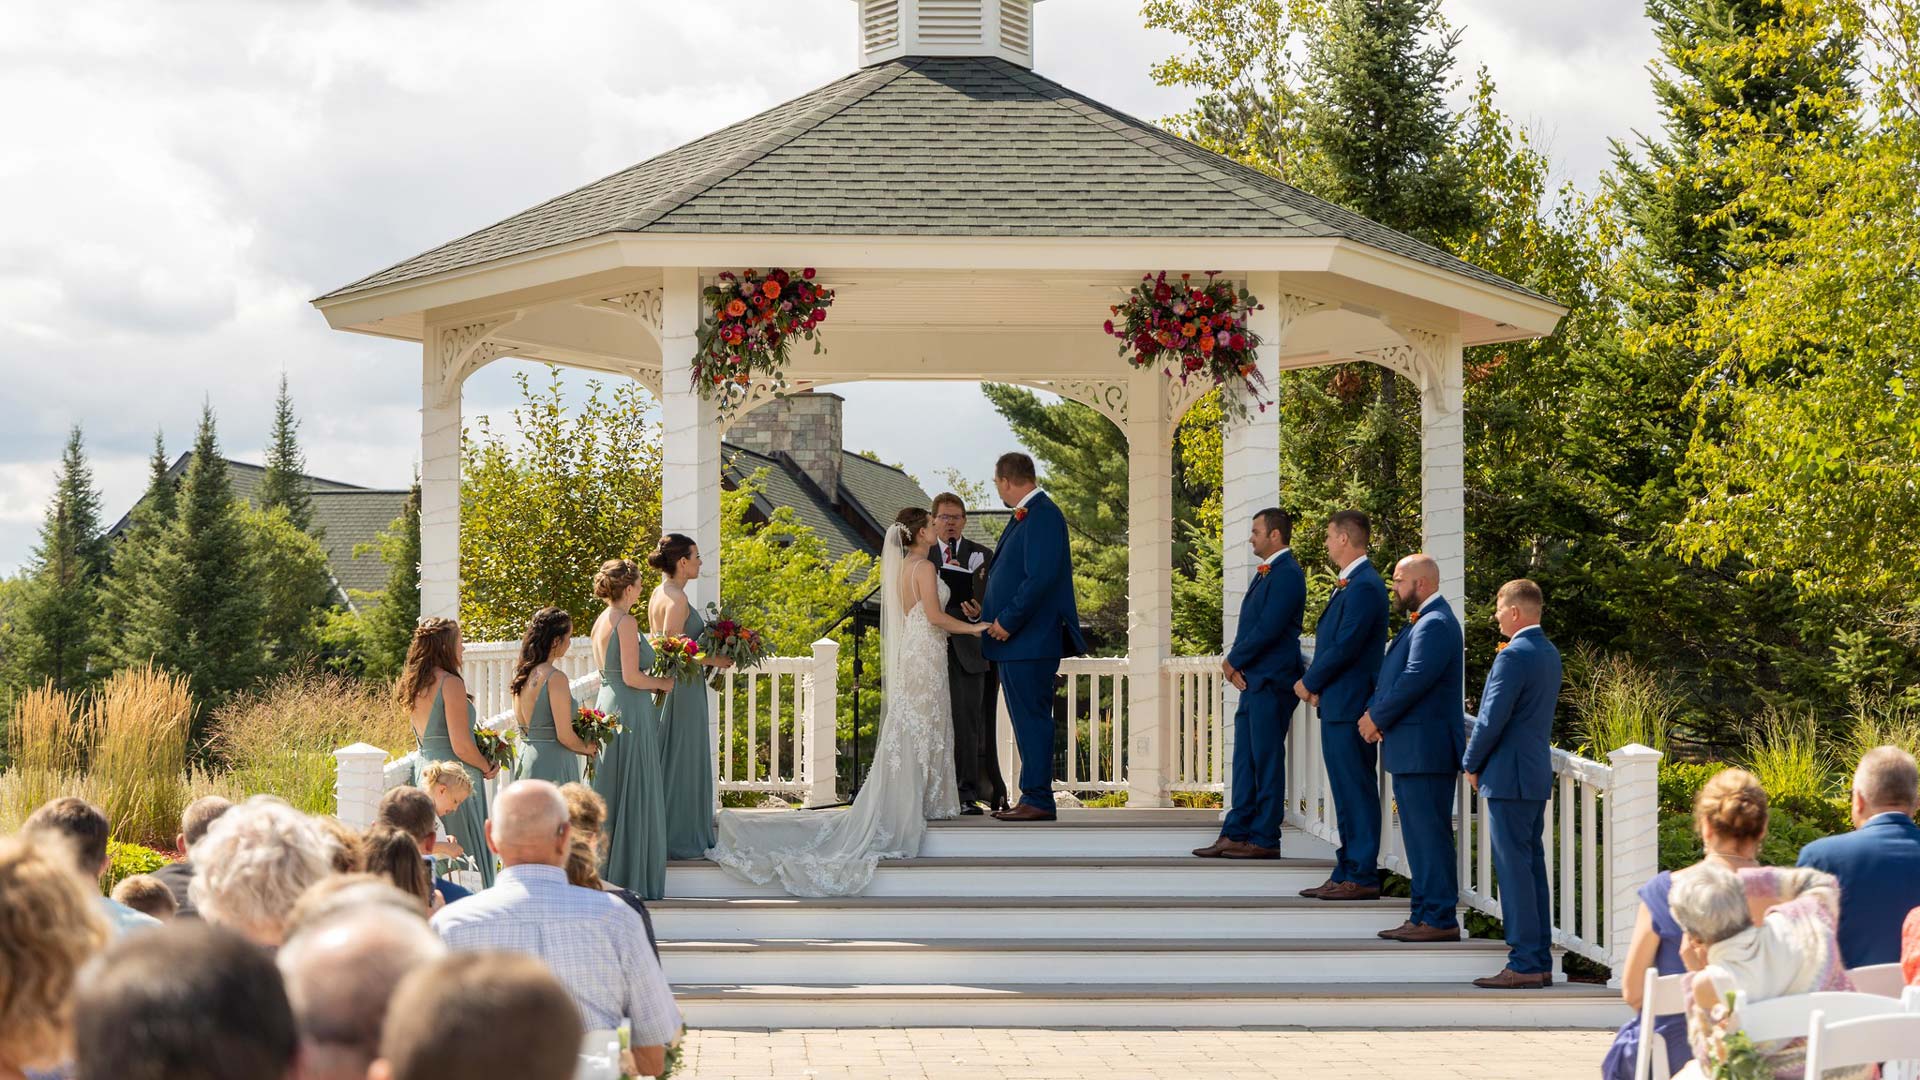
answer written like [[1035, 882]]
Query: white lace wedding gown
[[834, 852]]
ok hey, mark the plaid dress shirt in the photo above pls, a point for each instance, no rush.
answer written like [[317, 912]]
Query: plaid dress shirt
[[594, 944]]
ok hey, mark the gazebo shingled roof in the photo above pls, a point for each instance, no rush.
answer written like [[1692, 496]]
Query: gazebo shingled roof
[[932, 146]]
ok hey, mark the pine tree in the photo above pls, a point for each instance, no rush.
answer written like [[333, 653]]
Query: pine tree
[[58, 639], [137, 602], [285, 483], [201, 610]]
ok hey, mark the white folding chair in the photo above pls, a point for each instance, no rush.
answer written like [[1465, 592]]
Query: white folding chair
[[1867, 1040], [1662, 995], [1910, 999], [1887, 980], [1787, 1017]]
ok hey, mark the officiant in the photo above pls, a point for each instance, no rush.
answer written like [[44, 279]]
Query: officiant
[[970, 676]]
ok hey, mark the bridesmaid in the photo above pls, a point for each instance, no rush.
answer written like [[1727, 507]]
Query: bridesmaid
[[629, 776], [687, 755], [543, 702], [442, 716]]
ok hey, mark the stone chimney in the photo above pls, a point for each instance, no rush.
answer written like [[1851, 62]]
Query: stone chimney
[[805, 427]]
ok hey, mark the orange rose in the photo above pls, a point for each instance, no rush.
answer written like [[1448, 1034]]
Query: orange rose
[[736, 307], [771, 288]]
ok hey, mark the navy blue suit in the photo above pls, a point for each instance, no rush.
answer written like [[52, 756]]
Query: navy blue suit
[[1347, 647], [1511, 750], [1266, 651], [1030, 594], [1878, 865], [1417, 705]]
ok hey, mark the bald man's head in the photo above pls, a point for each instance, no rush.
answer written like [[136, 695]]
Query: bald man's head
[[529, 824], [1415, 579], [340, 971]]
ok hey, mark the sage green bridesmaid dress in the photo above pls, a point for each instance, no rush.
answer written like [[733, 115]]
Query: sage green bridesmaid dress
[[688, 761], [629, 778], [542, 755], [468, 824]]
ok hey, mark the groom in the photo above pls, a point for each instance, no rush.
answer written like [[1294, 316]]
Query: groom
[[1029, 603]]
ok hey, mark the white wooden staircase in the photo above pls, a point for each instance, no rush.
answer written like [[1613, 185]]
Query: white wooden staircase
[[1099, 919]]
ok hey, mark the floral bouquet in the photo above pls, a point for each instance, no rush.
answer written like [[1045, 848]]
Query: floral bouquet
[[675, 657], [751, 319], [725, 637], [1731, 1049], [591, 726], [500, 748], [1195, 332]]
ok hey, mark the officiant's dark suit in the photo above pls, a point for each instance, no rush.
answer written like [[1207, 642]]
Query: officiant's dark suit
[[971, 680]]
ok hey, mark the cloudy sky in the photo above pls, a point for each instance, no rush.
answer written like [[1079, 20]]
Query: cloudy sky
[[182, 178]]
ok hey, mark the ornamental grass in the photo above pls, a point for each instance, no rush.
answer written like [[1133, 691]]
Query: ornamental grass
[[139, 722], [1616, 703], [280, 739]]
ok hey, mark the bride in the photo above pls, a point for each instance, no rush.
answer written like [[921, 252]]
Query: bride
[[833, 853]]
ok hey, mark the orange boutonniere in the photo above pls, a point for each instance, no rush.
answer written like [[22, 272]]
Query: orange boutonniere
[[1019, 513], [1412, 617], [1340, 584], [1502, 646], [1262, 570]]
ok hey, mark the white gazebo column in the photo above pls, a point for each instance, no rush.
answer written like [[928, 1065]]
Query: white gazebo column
[[1149, 429], [1443, 484], [439, 494], [690, 480], [1250, 482]]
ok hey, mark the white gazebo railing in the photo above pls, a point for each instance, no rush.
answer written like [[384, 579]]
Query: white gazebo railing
[[775, 732]]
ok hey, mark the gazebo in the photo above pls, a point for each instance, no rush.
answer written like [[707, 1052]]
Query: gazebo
[[977, 220]]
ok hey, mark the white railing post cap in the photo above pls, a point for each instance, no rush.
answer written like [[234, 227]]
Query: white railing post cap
[[1633, 754], [360, 752]]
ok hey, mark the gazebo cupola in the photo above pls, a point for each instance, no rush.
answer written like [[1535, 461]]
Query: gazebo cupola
[[890, 29]]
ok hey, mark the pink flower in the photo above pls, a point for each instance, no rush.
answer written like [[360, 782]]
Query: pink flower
[[807, 273], [819, 315], [1108, 326]]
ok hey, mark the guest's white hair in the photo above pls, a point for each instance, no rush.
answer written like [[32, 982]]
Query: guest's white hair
[[254, 863], [1709, 902]]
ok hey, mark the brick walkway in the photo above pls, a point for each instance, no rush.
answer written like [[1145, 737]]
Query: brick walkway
[[1115, 1054]]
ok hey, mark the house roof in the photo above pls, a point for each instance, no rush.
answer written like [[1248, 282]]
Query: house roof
[[347, 515], [932, 146], [782, 485]]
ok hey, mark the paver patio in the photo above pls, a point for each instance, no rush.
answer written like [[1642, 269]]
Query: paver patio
[[1132, 1054]]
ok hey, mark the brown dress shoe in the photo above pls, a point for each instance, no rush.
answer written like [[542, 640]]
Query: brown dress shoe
[[1213, 850], [1250, 851], [1348, 890], [1394, 934], [1024, 812], [1423, 933], [1314, 892], [1509, 979]]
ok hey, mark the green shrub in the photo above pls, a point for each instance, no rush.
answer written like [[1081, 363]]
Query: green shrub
[[126, 860], [1879, 720], [1680, 784], [1786, 755], [1617, 702]]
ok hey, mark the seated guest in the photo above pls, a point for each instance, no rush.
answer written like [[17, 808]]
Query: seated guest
[[254, 863], [390, 853], [450, 786], [83, 829], [479, 1015], [413, 810], [49, 928], [347, 857], [1767, 932], [147, 895], [1730, 813], [199, 815], [1878, 863], [587, 813], [192, 1001], [345, 892], [340, 973], [603, 958]]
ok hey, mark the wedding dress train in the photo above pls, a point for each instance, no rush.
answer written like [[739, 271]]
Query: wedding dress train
[[834, 852]]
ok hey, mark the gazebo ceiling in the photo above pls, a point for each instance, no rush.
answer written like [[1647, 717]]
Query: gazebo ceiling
[[926, 152]]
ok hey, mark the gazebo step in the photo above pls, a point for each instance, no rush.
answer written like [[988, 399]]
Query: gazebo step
[[1045, 961], [1019, 918], [1112, 876], [1322, 1005]]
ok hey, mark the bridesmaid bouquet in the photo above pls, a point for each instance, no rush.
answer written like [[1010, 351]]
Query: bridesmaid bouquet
[[676, 657], [725, 637], [594, 726], [501, 748]]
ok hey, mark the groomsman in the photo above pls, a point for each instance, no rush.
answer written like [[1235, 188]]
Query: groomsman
[[1509, 759], [970, 679], [1263, 663], [1415, 717], [1348, 642]]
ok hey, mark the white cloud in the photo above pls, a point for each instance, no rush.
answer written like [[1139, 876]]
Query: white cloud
[[182, 178]]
